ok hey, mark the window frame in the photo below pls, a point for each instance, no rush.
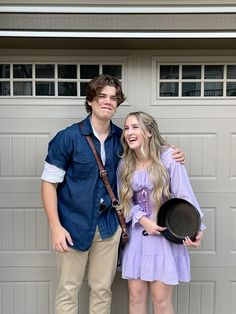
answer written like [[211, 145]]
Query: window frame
[[190, 100], [224, 80], [76, 99]]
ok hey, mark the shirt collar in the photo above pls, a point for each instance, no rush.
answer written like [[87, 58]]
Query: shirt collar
[[87, 127]]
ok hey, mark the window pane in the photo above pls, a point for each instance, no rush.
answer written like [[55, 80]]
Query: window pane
[[214, 71], [67, 71], [113, 70], [169, 72], [67, 89], [213, 89], [231, 72], [44, 70], [45, 89], [191, 89], [231, 89], [4, 70], [169, 89], [4, 88], [22, 88], [88, 71], [22, 70], [83, 89], [191, 72]]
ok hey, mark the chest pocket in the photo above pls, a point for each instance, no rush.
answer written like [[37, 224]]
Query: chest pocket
[[84, 168]]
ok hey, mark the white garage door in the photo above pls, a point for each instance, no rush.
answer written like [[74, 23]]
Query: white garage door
[[194, 102]]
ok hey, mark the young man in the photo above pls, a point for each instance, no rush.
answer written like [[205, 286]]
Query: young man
[[83, 225]]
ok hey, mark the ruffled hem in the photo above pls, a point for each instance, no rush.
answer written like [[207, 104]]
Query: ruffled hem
[[168, 269]]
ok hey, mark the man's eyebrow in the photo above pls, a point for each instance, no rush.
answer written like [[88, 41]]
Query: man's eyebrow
[[104, 94]]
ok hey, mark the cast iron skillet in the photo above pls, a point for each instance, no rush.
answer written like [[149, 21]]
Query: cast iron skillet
[[181, 218]]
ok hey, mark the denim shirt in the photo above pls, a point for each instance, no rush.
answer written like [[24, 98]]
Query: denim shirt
[[80, 193]]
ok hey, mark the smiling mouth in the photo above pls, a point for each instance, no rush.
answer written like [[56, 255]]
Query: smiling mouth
[[107, 108], [132, 139]]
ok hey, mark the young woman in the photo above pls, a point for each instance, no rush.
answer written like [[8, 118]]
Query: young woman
[[148, 175]]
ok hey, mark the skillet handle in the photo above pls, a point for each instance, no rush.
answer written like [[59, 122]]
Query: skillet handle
[[144, 233]]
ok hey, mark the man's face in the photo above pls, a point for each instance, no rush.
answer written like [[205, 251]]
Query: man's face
[[105, 104]]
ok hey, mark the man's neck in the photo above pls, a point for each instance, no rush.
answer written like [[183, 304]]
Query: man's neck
[[102, 127]]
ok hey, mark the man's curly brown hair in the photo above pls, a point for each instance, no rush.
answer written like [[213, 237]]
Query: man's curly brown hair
[[95, 86]]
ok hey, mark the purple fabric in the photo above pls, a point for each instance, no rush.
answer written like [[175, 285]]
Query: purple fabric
[[153, 257]]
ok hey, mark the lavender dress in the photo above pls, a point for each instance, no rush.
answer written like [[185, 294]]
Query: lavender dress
[[153, 257]]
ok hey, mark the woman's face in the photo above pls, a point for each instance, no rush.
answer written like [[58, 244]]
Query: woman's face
[[133, 134]]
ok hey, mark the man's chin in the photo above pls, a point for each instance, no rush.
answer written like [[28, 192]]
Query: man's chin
[[108, 114]]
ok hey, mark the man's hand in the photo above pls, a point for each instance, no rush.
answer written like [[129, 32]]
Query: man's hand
[[178, 155], [59, 239]]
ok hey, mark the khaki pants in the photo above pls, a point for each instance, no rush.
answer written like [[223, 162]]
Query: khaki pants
[[102, 261]]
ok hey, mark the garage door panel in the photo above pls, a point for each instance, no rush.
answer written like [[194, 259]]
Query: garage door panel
[[209, 241], [210, 149], [224, 280], [215, 185], [233, 297], [233, 156], [20, 185], [200, 151], [35, 126], [23, 298], [22, 154], [180, 295], [196, 297], [20, 200], [27, 259], [25, 238], [231, 229], [27, 292], [54, 109], [218, 245], [207, 298]]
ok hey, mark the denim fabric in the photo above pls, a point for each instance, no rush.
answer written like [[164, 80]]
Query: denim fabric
[[80, 193]]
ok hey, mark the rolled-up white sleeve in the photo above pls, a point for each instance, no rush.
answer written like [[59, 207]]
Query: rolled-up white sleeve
[[52, 173]]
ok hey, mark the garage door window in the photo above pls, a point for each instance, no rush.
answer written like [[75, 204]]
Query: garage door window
[[87, 72], [195, 80], [51, 80], [4, 79]]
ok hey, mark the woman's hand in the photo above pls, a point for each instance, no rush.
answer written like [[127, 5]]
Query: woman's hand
[[196, 242], [150, 226]]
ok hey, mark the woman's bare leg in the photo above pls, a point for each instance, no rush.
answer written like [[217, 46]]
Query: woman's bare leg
[[161, 297], [138, 291]]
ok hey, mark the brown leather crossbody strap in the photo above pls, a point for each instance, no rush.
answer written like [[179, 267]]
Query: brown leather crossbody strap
[[115, 202], [103, 173]]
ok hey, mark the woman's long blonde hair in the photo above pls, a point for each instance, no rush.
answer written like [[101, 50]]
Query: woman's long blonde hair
[[158, 174]]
